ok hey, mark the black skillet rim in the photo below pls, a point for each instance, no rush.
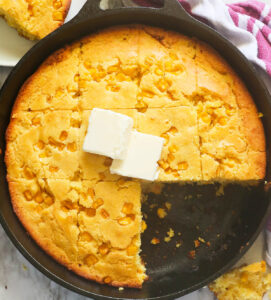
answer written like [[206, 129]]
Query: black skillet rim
[[167, 10]]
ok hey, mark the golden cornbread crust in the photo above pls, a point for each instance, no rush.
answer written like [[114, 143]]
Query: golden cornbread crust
[[172, 86], [34, 19]]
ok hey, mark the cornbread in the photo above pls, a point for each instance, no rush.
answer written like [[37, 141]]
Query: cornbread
[[247, 283], [172, 87], [34, 19]]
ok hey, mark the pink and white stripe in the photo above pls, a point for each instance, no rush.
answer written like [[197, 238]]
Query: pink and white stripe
[[246, 24]]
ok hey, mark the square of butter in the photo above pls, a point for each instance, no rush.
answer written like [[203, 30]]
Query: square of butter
[[108, 133], [142, 155]]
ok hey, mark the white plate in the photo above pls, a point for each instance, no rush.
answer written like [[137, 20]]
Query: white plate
[[13, 46]]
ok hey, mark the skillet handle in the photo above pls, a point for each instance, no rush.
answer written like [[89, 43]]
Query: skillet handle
[[171, 8], [174, 8], [90, 8]]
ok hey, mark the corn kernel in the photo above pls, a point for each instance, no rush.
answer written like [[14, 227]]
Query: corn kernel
[[143, 226], [59, 93], [127, 208], [150, 60], [166, 137], [71, 89], [104, 249], [75, 123], [222, 121], [173, 56], [85, 237], [57, 4], [244, 277], [168, 170], [28, 195], [102, 176], [90, 260], [43, 155], [113, 88], [38, 198], [206, 118], [53, 169], [112, 69], [147, 94], [170, 157], [161, 213], [57, 16], [162, 86], [28, 173], [107, 280], [108, 162], [121, 182], [91, 212], [72, 147], [68, 205], [104, 213], [229, 111], [131, 71], [132, 250], [183, 165], [158, 72], [125, 220], [76, 77], [120, 77], [141, 106], [36, 121], [155, 241], [87, 65], [172, 130], [173, 148], [163, 164], [97, 203], [48, 200], [40, 145], [260, 115], [63, 135], [168, 66], [91, 192]]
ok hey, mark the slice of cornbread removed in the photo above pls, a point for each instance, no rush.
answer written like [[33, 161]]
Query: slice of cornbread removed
[[92, 228], [247, 283], [34, 19]]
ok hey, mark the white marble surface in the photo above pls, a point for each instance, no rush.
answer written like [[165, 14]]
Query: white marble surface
[[19, 280]]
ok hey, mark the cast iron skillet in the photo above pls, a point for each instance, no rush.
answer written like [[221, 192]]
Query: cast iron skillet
[[230, 222]]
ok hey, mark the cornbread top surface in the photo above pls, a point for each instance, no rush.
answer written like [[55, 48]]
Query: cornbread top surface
[[172, 86], [34, 19]]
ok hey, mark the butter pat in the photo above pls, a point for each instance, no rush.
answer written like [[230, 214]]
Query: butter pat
[[108, 133], [140, 161]]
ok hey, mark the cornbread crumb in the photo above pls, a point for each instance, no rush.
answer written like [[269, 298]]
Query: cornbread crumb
[[121, 288], [201, 239], [220, 190], [168, 206], [192, 254], [178, 245], [170, 235], [196, 243], [161, 213], [260, 115], [155, 241], [250, 282]]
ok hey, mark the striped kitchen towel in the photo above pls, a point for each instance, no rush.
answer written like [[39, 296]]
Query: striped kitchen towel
[[246, 24]]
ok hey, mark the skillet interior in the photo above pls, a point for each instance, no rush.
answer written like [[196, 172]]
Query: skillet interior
[[237, 217]]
